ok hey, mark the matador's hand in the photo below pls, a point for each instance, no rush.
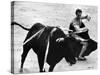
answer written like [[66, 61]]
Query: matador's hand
[[88, 18]]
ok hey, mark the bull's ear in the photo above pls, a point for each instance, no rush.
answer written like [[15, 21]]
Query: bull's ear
[[59, 39]]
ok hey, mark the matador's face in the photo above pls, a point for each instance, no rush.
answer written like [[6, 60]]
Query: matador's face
[[79, 14]]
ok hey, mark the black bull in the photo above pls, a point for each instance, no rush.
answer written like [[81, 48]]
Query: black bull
[[68, 49]]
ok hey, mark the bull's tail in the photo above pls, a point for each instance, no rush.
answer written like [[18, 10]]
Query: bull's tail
[[15, 23]]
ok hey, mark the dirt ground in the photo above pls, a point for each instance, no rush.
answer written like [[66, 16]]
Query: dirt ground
[[28, 13]]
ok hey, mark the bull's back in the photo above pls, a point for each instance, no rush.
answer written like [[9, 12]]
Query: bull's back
[[35, 28]]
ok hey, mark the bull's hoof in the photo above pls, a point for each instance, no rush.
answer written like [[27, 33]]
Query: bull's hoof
[[70, 64], [43, 71], [21, 70]]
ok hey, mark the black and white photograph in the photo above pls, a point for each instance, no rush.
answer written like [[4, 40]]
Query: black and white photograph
[[53, 37]]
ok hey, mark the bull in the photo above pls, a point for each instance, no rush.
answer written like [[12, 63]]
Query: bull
[[44, 42]]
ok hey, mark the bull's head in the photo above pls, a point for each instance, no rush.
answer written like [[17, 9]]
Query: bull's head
[[69, 54], [92, 46]]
